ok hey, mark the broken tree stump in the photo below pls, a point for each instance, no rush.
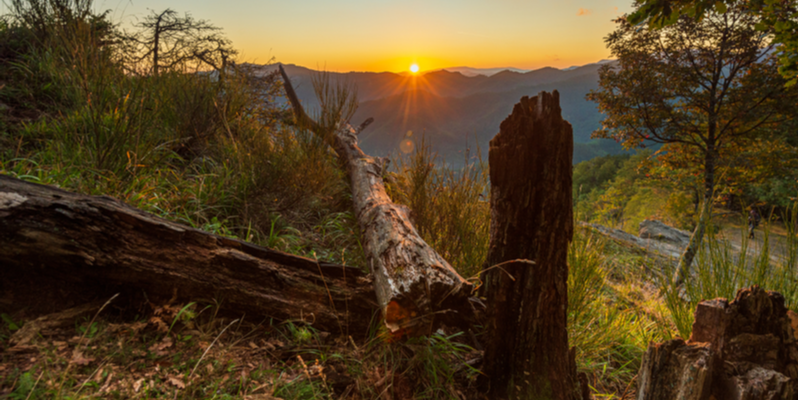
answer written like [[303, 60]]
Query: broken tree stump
[[414, 285], [58, 248], [742, 350], [530, 166]]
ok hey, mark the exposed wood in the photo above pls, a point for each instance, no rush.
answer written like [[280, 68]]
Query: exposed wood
[[676, 370], [745, 349], [96, 245], [530, 166], [415, 286]]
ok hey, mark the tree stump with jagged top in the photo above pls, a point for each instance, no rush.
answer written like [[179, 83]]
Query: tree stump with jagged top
[[530, 163]]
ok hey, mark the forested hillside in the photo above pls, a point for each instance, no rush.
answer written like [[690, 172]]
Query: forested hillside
[[455, 112]]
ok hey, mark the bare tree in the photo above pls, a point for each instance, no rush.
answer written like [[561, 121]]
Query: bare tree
[[167, 41]]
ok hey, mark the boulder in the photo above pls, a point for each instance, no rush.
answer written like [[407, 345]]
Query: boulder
[[657, 230]]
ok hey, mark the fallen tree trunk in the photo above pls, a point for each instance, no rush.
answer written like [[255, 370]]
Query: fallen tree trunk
[[414, 285], [57, 248]]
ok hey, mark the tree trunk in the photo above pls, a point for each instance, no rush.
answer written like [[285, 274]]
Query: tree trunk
[[59, 249], [687, 258], [685, 262], [415, 286], [156, 37], [530, 164]]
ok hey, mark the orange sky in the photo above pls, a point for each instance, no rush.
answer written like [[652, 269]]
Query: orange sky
[[387, 35]]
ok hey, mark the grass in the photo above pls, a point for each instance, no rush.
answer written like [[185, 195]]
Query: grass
[[721, 269], [173, 351], [449, 207]]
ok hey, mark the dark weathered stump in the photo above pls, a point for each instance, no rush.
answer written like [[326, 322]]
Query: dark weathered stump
[[58, 249], [676, 370], [530, 163], [745, 349]]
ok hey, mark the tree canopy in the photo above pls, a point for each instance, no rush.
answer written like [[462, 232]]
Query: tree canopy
[[775, 17], [705, 84], [701, 87]]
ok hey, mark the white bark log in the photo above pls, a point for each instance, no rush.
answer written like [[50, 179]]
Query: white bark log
[[415, 286]]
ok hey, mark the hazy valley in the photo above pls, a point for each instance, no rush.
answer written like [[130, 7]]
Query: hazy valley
[[453, 111]]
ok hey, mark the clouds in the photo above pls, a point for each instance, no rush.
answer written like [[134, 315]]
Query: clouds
[[583, 11]]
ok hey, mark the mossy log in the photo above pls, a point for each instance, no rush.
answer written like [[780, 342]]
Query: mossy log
[[59, 249]]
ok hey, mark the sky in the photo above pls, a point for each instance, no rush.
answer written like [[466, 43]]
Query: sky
[[391, 35]]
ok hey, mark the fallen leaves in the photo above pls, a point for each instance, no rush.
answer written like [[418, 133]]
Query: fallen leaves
[[79, 359], [177, 382], [159, 347], [137, 385]]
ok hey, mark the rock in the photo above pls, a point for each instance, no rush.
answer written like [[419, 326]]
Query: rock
[[751, 348], [657, 230], [668, 251]]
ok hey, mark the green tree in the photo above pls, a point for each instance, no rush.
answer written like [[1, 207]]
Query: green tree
[[167, 41], [775, 17], [699, 86]]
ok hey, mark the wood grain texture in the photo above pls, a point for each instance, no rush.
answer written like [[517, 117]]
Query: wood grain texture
[[98, 242], [530, 164]]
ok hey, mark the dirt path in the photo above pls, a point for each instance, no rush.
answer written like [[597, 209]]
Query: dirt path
[[734, 230]]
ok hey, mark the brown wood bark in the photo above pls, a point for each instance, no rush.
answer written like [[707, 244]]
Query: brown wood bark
[[57, 247], [414, 285], [740, 350], [676, 370], [687, 258], [530, 161]]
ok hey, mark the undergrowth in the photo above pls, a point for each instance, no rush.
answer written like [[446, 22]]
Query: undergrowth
[[186, 145], [722, 269]]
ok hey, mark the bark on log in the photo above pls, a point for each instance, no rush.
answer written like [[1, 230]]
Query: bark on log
[[749, 351], [530, 164], [56, 247], [414, 285]]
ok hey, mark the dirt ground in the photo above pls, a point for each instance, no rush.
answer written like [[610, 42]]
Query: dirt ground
[[733, 227]]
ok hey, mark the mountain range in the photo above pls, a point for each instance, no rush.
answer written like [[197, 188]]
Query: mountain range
[[454, 111]]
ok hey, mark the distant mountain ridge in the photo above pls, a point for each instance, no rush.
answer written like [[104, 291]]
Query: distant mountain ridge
[[454, 111], [469, 71]]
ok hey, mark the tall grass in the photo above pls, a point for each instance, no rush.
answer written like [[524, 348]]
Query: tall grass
[[609, 336], [449, 207], [721, 269], [212, 153]]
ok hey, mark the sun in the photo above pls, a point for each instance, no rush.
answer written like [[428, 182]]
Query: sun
[[414, 68]]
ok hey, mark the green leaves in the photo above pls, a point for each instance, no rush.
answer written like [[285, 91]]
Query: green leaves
[[12, 326], [777, 17], [666, 88]]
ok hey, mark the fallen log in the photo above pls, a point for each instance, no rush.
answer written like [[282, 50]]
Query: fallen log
[[414, 285], [59, 249]]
